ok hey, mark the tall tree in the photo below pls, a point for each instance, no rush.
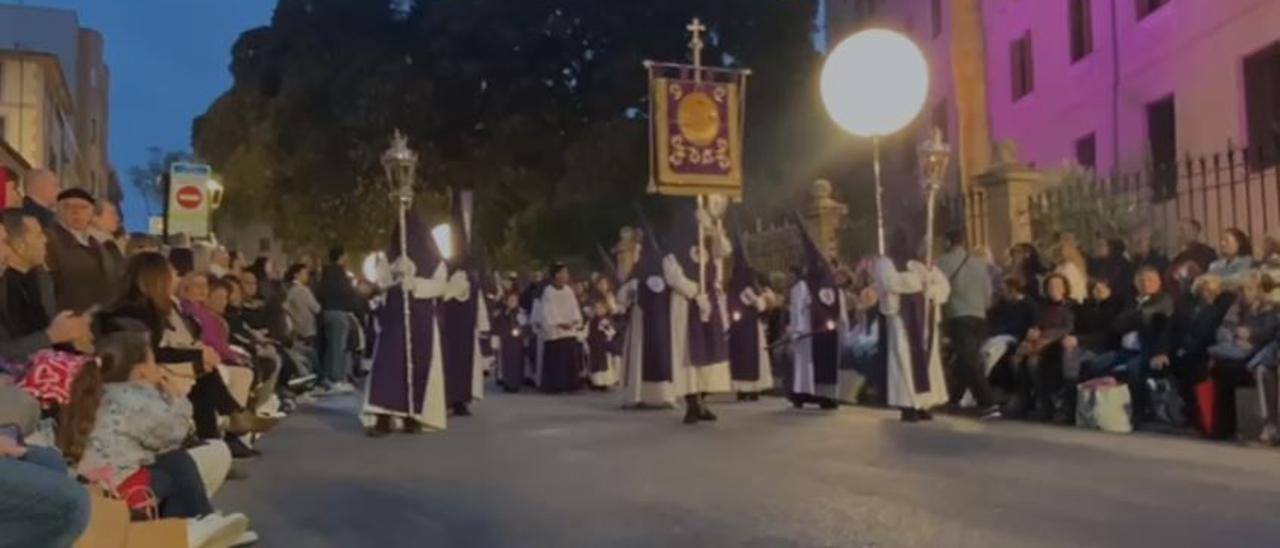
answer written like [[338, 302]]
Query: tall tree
[[147, 178], [536, 105]]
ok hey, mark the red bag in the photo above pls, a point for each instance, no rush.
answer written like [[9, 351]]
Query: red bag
[[50, 376], [1205, 403], [135, 491]]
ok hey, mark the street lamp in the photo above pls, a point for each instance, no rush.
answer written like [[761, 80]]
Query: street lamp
[[934, 156], [401, 165], [873, 84]]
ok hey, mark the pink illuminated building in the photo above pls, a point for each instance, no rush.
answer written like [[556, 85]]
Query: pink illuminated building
[[1111, 84]]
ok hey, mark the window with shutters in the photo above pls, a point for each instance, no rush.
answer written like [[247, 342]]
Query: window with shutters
[[1147, 7], [1081, 29], [1262, 104], [1022, 69], [1087, 151]]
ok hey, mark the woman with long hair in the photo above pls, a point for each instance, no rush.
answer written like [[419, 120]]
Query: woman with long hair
[[148, 304], [1235, 257]]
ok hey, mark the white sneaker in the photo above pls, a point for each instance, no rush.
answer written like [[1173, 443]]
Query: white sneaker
[[215, 530], [246, 538], [272, 414], [344, 387]]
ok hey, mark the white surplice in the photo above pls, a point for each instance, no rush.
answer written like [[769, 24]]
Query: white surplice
[[802, 381], [890, 284]]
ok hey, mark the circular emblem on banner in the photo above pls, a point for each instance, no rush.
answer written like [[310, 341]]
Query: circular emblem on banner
[[189, 197], [827, 296], [656, 284], [747, 297], [699, 118]]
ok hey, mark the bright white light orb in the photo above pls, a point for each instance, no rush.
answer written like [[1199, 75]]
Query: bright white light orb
[[370, 266], [875, 82], [443, 235]]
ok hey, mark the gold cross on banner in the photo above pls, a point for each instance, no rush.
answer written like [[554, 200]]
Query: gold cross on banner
[[695, 45]]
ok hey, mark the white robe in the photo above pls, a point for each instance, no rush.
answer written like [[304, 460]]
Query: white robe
[[685, 378], [802, 381], [890, 283]]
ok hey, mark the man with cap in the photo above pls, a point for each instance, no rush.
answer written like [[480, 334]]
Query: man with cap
[[75, 257]]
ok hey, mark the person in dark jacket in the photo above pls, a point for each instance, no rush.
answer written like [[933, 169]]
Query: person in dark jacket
[[76, 259], [1145, 329], [336, 294], [1196, 320], [1194, 250], [41, 191], [1038, 362]]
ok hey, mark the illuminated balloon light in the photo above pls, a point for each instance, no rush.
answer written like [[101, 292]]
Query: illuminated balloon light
[[443, 236], [369, 267], [875, 83]]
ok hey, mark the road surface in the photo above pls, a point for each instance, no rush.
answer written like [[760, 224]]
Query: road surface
[[531, 470]]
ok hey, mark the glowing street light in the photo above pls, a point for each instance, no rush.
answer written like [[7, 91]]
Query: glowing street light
[[873, 84]]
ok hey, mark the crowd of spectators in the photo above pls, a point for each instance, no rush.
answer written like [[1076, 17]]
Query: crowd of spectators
[[136, 370]]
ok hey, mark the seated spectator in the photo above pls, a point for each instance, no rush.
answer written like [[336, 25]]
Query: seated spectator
[[148, 304], [1038, 361], [126, 426], [864, 346], [1270, 253], [1144, 327], [1196, 321], [39, 504], [1236, 257], [1247, 327], [1009, 320], [27, 319], [1025, 264], [183, 260], [1093, 319], [75, 259], [225, 300]]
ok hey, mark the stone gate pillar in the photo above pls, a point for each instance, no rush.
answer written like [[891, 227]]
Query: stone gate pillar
[[1007, 188]]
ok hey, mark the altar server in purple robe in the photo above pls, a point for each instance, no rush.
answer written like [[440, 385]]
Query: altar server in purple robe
[[603, 341], [406, 384], [911, 295], [508, 343], [748, 358], [559, 319], [818, 320]]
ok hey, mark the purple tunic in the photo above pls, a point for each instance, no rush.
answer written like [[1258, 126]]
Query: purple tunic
[[708, 342], [387, 379], [458, 346], [510, 351], [744, 329]]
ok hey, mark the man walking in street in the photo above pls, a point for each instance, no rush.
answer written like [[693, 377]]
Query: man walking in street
[[966, 323]]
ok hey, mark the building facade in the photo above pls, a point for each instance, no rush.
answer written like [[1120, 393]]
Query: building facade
[[79, 54], [1114, 85], [36, 113]]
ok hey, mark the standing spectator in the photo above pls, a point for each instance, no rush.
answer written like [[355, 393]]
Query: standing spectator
[[1071, 264], [1235, 257], [965, 313], [108, 233], [1193, 249], [1025, 263], [1110, 263], [1142, 253], [338, 304], [42, 189], [76, 259]]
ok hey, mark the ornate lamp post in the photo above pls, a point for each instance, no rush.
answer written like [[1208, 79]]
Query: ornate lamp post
[[401, 165], [873, 84], [934, 156]]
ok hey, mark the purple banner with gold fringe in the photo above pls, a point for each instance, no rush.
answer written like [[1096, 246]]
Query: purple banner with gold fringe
[[697, 133]]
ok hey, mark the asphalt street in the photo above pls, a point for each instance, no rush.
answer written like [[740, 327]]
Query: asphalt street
[[530, 470]]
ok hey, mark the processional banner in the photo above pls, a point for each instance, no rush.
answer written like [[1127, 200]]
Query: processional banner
[[697, 131]]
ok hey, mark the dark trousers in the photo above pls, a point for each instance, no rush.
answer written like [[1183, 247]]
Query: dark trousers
[[967, 372], [1039, 378], [175, 479], [209, 398], [1228, 375]]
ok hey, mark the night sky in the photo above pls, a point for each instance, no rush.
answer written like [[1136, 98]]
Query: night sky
[[168, 61]]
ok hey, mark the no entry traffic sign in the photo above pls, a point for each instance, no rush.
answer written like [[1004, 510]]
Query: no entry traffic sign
[[189, 197]]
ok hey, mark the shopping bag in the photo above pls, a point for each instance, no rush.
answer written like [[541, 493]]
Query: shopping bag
[[109, 527], [1104, 404], [1166, 402], [1205, 404]]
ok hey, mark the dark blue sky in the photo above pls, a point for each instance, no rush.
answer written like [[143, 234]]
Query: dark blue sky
[[168, 61]]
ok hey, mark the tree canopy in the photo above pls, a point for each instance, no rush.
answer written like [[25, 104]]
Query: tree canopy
[[537, 105]]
